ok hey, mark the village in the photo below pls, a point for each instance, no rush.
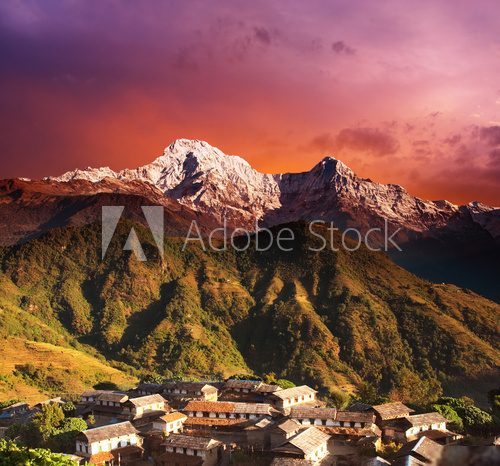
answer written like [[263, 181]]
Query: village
[[246, 422]]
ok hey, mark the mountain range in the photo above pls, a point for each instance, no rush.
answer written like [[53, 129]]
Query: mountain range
[[193, 180], [332, 319]]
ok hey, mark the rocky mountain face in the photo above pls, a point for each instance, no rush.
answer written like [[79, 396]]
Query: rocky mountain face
[[193, 180], [206, 180], [439, 240]]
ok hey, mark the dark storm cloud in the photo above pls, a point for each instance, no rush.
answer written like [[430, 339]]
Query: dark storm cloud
[[262, 35], [341, 48], [323, 142], [368, 140], [491, 135], [453, 140], [494, 158], [371, 140]]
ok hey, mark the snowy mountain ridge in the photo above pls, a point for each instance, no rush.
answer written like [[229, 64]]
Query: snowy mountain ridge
[[203, 178]]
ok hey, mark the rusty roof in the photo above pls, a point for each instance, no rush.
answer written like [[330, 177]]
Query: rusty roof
[[252, 408], [172, 417], [210, 406]]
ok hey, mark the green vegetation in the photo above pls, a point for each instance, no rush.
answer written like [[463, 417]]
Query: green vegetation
[[7, 403], [473, 419], [13, 454], [338, 321], [52, 427], [52, 371]]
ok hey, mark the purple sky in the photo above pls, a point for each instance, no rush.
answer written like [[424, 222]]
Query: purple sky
[[403, 92]]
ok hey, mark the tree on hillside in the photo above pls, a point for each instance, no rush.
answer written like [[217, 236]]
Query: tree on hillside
[[474, 419], [494, 400], [47, 421], [49, 428], [410, 388], [64, 437], [449, 413], [284, 383]]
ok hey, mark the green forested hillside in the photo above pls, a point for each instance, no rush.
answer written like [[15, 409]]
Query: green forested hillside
[[329, 319]]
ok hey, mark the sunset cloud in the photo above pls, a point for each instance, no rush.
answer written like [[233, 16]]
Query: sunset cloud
[[340, 47], [364, 82], [370, 140]]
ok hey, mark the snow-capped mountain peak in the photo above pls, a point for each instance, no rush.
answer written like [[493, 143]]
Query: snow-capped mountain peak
[[205, 179]]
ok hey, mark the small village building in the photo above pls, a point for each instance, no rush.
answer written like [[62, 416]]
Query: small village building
[[108, 408], [308, 416], [111, 445], [205, 451], [258, 434], [145, 388], [242, 386], [355, 420], [111, 399], [90, 396], [443, 437], [359, 406], [390, 411], [251, 410], [145, 406], [191, 391], [249, 391], [267, 389], [222, 413], [284, 430], [310, 444], [284, 399], [422, 451], [345, 425], [226, 410], [408, 428], [171, 423], [14, 410], [52, 401]]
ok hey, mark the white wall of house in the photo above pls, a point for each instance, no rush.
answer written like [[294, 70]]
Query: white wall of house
[[318, 453], [106, 445]]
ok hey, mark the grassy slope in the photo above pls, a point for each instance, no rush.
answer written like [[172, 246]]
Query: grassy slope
[[70, 371], [328, 319], [29, 339]]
